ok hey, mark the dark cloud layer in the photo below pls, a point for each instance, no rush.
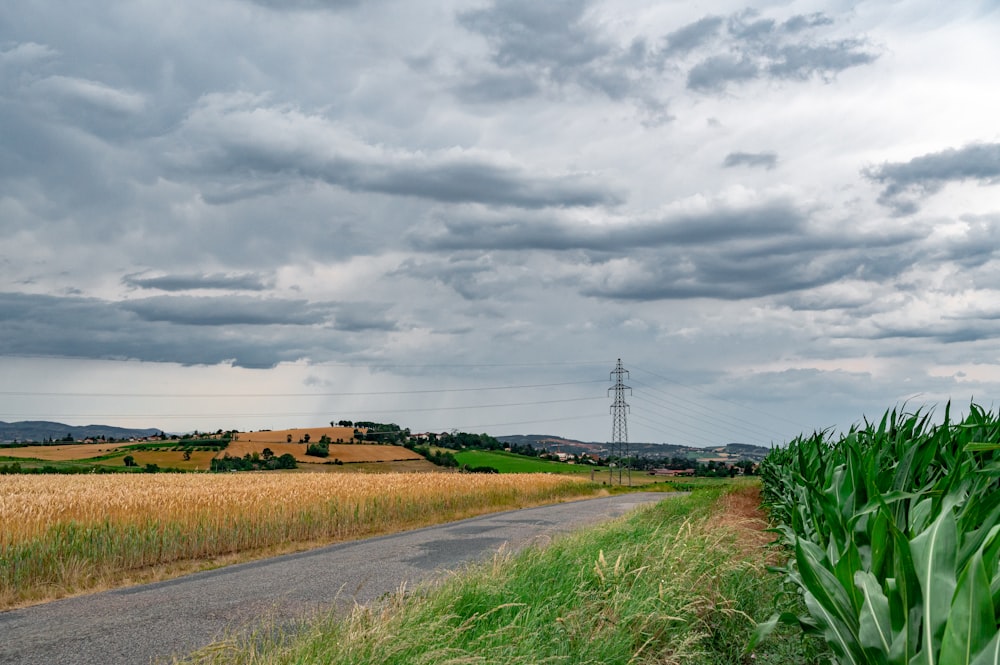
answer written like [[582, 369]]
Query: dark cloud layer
[[222, 281], [684, 40], [767, 160], [298, 5], [772, 219], [906, 183], [328, 182], [249, 332], [556, 43], [227, 310], [227, 137], [764, 49]]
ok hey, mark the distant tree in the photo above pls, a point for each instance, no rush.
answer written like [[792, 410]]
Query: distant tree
[[129, 461], [187, 455], [267, 453], [151, 468], [288, 439], [306, 437]]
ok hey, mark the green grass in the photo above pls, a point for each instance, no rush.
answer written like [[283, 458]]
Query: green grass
[[663, 585], [505, 462]]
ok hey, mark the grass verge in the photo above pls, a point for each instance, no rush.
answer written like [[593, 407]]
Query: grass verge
[[684, 581]]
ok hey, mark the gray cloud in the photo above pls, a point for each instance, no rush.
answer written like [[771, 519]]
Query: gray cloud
[[364, 317], [908, 182], [551, 34], [729, 253], [225, 281], [490, 87], [248, 332], [300, 5], [801, 61], [94, 93], [553, 44], [715, 73], [674, 275], [767, 160], [801, 22], [946, 332], [776, 218], [229, 135], [684, 40], [762, 48], [539, 46], [227, 310]]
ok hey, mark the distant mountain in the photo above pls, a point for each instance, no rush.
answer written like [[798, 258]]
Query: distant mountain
[[42, 430], [730, 451]]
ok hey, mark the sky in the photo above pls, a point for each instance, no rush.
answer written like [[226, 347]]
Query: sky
[[782, 216]]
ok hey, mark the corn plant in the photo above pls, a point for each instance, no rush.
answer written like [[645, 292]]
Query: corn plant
[[894, 538]]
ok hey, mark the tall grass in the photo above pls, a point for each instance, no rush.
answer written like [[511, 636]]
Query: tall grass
[[675, 583], [59, 534], [895, 529]]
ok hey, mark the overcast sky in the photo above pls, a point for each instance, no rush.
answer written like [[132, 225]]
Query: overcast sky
[[781, 216]]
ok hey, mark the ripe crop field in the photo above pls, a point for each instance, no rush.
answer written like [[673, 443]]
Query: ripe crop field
[[73, 451], [61, 534], [315, 433], [895, 530], [345, 452]]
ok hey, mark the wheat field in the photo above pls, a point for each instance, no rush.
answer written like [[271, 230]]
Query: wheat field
[[61, 534]]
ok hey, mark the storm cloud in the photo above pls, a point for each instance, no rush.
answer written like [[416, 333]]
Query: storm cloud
[[390, 196], [907, 183]]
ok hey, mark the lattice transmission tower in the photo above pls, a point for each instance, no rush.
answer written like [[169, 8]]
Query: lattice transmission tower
[[619, 425]]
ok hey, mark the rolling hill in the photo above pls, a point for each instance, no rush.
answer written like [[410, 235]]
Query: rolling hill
[[728, 452], [42, 430]]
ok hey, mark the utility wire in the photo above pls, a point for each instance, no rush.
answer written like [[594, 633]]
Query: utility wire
[[19, 393], [313, 413], [741, 429], [722, 399]]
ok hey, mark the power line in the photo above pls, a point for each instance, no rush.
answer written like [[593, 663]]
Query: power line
[[710, 426], [18, 393], [723, 399], [313, 413], [527, 422]]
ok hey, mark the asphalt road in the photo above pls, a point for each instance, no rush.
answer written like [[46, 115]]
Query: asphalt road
[[151, 622]]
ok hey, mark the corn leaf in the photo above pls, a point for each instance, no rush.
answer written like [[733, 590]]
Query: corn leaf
[[970, 621], [934, 553], [875, 631], [990, 655]]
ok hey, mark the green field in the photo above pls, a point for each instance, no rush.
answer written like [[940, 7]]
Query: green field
[[512, 463]]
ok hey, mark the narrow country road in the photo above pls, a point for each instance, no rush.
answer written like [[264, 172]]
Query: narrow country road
[[154, 621]]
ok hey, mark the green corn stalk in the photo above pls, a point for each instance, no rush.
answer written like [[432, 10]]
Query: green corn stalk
[[895, 535]]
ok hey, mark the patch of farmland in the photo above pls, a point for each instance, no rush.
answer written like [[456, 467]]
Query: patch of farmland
[[346, 452], [404, 466], [298, 434], [174, 459], [67, 453]]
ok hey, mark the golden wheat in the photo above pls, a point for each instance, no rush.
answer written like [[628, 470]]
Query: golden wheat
[[61, 533]]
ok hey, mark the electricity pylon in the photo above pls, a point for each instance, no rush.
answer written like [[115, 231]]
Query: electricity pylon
[[619, 424]]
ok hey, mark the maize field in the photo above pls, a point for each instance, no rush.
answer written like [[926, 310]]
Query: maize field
[[894, 536], [62, 533]]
